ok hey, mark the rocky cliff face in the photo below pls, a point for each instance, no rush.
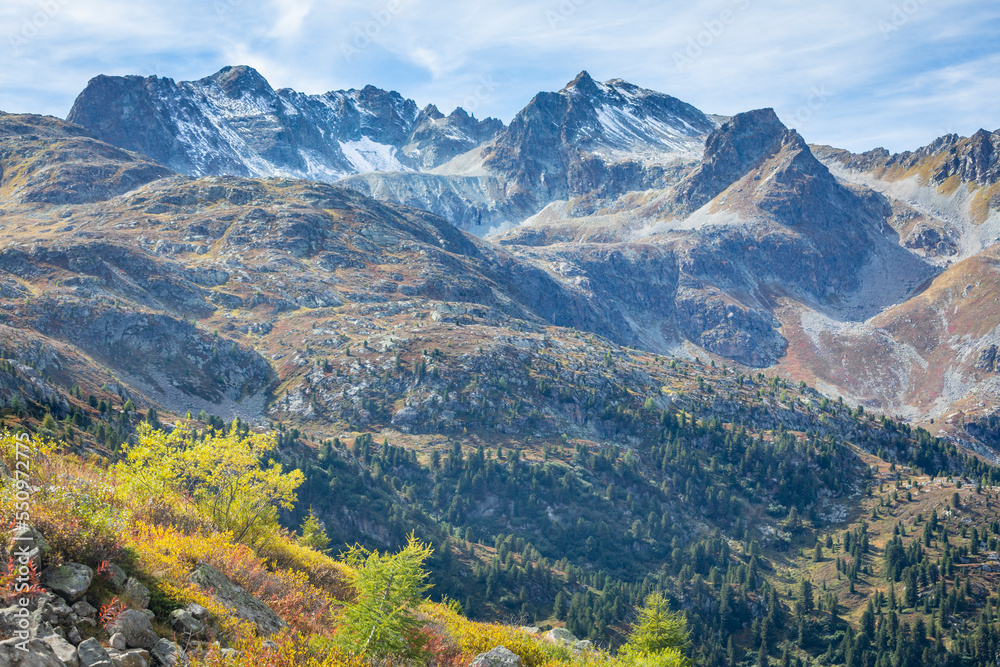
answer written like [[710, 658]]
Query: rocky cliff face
[[234, 123], [598, 140], [660, 306], [475, 203], [593, 137], [436, 138], [974, 159]]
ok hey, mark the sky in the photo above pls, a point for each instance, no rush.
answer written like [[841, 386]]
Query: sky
[[852, 73]]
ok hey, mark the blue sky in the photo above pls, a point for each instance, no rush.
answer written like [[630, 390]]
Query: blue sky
[[856, 74]]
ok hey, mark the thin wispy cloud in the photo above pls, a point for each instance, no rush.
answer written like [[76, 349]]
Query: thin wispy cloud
[[291, 15], [889, 73]]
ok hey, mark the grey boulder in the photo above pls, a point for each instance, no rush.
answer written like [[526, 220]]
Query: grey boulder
[[136, 628], [135, 594], [84, 609], [92, 654], [185, 624], [237, 599], [197, 611], [65, 651], [116, 576], [70, 581], [38, 654], [135, 657], [560, 636], [168, 654], [497, 657]]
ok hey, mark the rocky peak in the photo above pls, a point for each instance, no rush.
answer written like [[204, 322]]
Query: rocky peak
[[731, 151], [976, 159], [744, 139], [479, 130], [583, 84], [942, 143], [460, 115], [430, 111], [561, 143], [234, 123], [386, 116], [436, 138], [133, 113], [387, 102], [240, 81], [617, 114]]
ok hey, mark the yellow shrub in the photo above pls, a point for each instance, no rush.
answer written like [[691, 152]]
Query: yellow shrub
[[292, 651], [324, 572], [80, 526], [220, 472], [171, 555], [474, 638], [67, 500]]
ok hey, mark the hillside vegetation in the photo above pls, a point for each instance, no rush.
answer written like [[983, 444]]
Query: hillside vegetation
[[182, 501], [778, 523]]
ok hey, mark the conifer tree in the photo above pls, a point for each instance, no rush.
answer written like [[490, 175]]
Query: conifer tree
[[313, 534], [658, 633], [382, 620], [806, 595]]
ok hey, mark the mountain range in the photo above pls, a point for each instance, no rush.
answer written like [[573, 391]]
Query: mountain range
[[618, 345], [687, 231], [604, 207]]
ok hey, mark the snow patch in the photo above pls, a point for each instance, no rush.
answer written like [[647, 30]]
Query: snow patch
[[366, 155], [317, 168]]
